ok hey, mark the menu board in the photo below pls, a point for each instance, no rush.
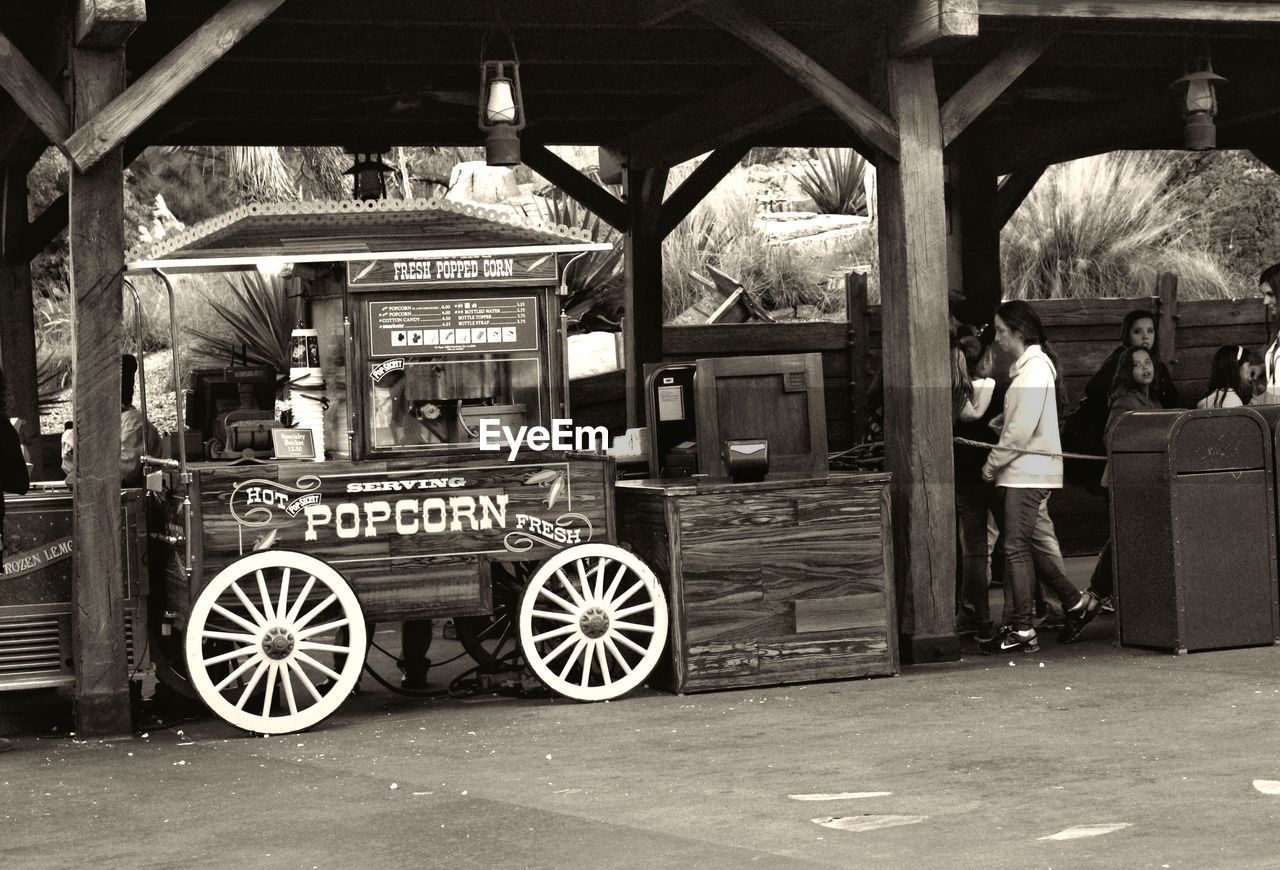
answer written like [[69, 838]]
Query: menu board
[[422, 327]]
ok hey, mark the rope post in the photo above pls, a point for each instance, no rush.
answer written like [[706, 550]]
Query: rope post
[[1167, 327], [855, 302]]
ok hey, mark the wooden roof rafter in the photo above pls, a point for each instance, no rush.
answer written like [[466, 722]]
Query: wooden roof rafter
[[872, 125]]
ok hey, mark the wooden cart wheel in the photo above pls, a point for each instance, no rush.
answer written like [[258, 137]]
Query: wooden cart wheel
[[292, 630], [491, 639], [593, 622]]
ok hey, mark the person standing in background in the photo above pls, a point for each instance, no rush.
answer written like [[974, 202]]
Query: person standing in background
[[1269, 287], [13, 474], [1025, 466]]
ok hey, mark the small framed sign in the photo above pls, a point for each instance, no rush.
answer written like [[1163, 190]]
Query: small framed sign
[[293, 444]]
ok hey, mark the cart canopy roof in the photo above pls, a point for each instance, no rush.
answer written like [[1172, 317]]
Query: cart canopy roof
[[337, 231]]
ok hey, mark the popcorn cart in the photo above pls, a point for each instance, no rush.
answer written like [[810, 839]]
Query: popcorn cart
[[432, 335]]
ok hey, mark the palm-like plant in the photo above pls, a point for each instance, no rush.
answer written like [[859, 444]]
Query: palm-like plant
[[594, 279], [835, 181], [259, 316]]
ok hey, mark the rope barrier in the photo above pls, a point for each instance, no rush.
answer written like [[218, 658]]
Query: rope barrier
[[989, 446]]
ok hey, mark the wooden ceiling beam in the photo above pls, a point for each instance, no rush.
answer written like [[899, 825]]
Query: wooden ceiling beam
[[977, 94], [1268, 154], [33, 94], [1143, 122], [126, 113], [872, 125], [743, 110], [568, 178], [1135, 10], [695, 188], [651, 12], [1013, 190], [107, 23], [927, 26]]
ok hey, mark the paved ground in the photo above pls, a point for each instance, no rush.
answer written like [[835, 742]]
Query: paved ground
[[969, 764]]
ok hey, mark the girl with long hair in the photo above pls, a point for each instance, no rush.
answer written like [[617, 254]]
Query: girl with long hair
[[1026, 466], [1230, 383]]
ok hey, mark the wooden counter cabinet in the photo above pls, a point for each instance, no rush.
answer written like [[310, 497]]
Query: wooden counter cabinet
[[775, 582]]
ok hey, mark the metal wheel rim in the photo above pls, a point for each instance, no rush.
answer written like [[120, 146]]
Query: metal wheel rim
[[283, 636], [593, 622]]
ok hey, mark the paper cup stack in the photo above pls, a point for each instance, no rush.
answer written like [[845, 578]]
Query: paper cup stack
[[309, 414]]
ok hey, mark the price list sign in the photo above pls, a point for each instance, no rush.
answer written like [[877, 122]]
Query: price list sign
[[440, 326]]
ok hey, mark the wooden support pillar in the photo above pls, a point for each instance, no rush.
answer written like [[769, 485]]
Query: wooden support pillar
[[17, 323], [913, 290], [97, 262], [642, 333], [973, 220]]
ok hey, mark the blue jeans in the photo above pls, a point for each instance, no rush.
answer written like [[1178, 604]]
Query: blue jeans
[[1018, 511]]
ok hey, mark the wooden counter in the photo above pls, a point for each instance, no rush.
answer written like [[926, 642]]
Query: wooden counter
[[775, 582]]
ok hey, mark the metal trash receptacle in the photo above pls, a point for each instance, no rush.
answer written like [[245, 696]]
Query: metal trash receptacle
[[1193, 527]]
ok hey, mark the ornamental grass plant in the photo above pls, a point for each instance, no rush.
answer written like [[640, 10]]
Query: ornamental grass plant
[[1106, 226], [722, 231]]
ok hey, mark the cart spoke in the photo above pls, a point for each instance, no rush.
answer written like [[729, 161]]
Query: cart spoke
[[564, 645], [616, 653], [253, 682], [582, 576], [287, 682], [321, 629], [248, 605], [635, 608], [297, 602], [273, 671], [498, 625], [558, 617], [556, 632], [231, 677], [570, 588], [506, 635], [323, 647], [235, 617], [585, 679], [573, 657], [319, 666], [267, 609], [284, 599], [604, 563], [626, 641], [613, 587], [234, 654], [569, 608], [314, 612], [228, 635], [633, 626], [306, 681], [617, 602], [602, 655]]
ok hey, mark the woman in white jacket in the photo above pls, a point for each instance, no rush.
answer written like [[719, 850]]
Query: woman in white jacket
[[1026, 465]]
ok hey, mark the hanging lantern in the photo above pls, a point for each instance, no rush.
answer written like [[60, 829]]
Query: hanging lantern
[[501, 110], [1200, 105], [368, 174]]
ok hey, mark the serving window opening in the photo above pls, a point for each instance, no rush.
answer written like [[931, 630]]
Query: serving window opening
[[438, 368]]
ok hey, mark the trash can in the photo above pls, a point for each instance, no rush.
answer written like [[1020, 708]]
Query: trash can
[[1193, 526]]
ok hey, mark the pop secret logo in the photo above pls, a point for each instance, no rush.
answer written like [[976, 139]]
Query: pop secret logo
[[256, 503]]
